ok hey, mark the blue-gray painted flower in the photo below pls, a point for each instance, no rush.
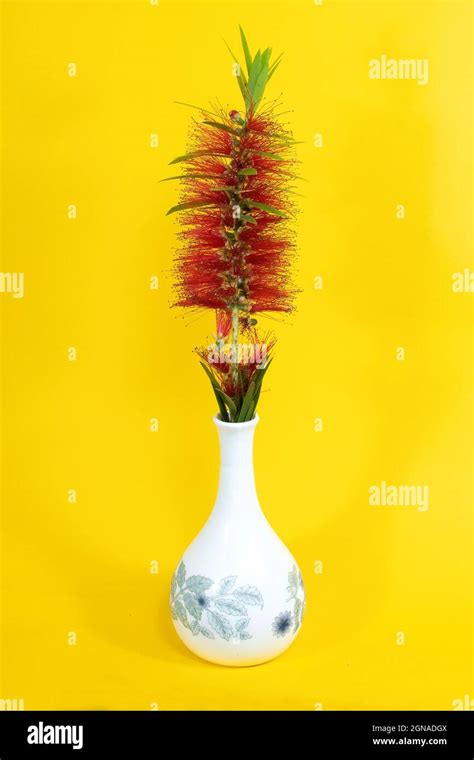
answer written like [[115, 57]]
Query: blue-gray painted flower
[[282, 623]]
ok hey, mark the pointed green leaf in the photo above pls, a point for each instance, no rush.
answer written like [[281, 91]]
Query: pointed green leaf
[[238, 62], [259, 375], [248, 172], [196, 154], [191, 176], [227, 400], [248, 400], [274, 66], [266, 58], [248, 57], [215, 387], [243, 89], [260, 84], [267, 154], [218, 125], [187, 205], [254, 72], [267, 208], [191, 105], [224, 189]]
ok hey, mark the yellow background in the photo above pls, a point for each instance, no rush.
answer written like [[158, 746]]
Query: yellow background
[[85, 425]]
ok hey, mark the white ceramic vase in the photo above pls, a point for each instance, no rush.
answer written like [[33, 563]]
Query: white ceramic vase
[[237, 596]]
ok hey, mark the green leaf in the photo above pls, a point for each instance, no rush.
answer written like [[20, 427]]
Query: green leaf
[[259, 375], [196, 154], [250, 171], [191, 105], [254, 72], [244, 79], [243, 89], [241, 79], [260, 84], [191, 176], [284, 140], [222, 408], [226, 128], [227, 400], [267, 54], [274, 66], [268, 209], [188, 204], [224, 189], [248, 400], [247, 218], [250, 411], [267, 154], [248, 57]]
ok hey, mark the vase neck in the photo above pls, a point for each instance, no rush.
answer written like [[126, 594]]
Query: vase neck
[[237, 492]]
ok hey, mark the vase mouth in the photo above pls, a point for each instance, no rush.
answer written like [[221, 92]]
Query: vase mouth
[[236, 425]]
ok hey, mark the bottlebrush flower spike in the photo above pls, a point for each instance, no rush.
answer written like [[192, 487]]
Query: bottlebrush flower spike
[[236, 242]]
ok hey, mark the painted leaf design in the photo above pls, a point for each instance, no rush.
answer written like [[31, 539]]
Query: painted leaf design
[[231, 607], [219, 624], [297, 613], [181, 574], [206, 632], [173, 613], [226, 584], [190, 602], [249, 595], [199, 583], [195, 627], [241, 624], [243, 635], [293, 578], [181, 613]]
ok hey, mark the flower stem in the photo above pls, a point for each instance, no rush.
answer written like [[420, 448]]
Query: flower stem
[[235, 345]]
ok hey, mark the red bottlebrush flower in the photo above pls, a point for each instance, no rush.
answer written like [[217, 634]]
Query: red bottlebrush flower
[[223, 324], [236, 242]]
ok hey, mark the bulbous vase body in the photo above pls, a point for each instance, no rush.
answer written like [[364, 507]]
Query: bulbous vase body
[[237, 595]]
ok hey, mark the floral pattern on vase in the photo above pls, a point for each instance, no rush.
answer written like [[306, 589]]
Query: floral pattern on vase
[[286, 621], [224, 610]]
